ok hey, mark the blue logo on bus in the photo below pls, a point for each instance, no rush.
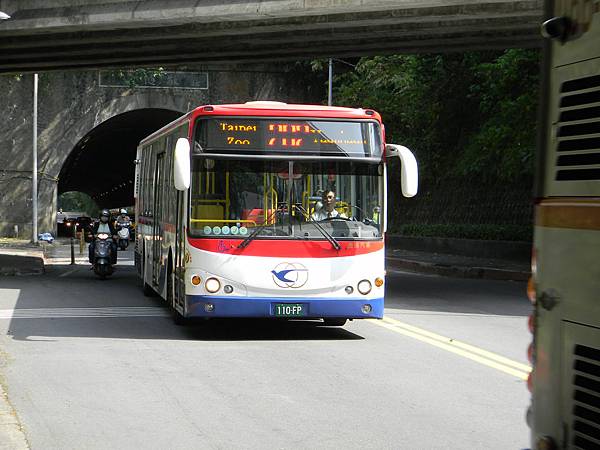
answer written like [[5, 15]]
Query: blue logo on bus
[[290, 275]]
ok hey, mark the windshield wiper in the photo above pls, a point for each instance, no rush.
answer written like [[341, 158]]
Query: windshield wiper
[[323, 231], [257, 230]]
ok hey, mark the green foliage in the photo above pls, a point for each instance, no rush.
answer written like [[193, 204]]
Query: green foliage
[[78, 201], [469, 118], [307, 81], [318, 65], [507, 93], [467, 231], [135, 77], [470, 114]]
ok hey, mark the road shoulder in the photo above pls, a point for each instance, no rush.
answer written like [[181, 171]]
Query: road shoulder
[[12, 436], [21, 258]]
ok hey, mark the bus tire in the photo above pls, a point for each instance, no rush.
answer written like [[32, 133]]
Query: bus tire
[[334, 322]]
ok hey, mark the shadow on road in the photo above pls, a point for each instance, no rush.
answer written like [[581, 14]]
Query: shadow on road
[[163, 328], [437, 294], [70, 301], [264, 329]]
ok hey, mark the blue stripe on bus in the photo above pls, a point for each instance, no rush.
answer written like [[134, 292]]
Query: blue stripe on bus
[[230, 306]]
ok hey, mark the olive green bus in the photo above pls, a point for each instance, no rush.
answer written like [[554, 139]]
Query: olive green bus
[[565, 285]]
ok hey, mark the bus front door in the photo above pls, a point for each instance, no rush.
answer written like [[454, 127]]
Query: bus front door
[[180, 254], [157, 234]]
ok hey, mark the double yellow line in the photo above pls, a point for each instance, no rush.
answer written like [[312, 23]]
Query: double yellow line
[[463, 349]]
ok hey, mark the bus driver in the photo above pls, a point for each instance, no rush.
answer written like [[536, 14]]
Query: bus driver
[[328, 210]]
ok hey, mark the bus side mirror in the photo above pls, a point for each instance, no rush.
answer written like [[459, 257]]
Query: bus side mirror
[[181, 166], [410, 170]]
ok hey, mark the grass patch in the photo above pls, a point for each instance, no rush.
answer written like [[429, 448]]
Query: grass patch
[[467, 231], [8, 241]]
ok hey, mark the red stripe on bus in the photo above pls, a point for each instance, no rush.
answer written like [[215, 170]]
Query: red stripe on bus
[[287, 248]]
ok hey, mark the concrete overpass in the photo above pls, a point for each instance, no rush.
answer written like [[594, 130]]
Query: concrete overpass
[[57, 34]]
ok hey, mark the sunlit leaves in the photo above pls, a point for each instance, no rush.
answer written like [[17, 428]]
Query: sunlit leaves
[[465, 115]]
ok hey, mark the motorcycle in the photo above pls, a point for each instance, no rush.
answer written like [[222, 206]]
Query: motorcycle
[[103, 255], [124, 235]]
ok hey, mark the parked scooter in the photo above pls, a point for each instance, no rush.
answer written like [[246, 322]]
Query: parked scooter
[[103, 256], [124, 235]]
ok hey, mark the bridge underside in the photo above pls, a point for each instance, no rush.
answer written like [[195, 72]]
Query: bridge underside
[[45, 35], [102, 163]]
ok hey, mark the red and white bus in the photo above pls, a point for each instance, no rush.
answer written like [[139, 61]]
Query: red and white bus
[[266, 209]]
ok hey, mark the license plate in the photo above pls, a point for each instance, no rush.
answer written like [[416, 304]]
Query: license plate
[[290, 309]]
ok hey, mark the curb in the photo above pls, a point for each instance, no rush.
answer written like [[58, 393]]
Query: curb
[[489, 273], [14, 264], [478, 248]]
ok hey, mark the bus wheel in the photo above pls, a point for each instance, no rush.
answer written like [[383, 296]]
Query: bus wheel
[[334, 322]]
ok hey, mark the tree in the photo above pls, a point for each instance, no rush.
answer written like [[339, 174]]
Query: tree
[[470, 119], [78, 201]]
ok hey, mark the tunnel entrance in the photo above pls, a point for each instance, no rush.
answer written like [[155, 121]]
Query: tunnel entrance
[[102, 163]]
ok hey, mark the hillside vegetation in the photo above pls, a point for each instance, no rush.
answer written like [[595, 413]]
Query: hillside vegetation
[[471, 121]]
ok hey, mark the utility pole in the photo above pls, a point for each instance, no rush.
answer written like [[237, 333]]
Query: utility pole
[[330, 93], [34, 179]]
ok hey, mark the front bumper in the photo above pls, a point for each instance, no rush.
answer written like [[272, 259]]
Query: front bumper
[[230, 306]]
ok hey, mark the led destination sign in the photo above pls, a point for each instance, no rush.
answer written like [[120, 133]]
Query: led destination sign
[[274, 136]]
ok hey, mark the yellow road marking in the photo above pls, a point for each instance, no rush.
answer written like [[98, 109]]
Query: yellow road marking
[[468, 351], [463, 345]]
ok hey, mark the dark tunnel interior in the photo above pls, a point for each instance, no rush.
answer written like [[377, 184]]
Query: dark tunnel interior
[[102, 162]]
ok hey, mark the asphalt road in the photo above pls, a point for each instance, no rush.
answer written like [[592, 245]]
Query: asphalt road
[[92, 364]]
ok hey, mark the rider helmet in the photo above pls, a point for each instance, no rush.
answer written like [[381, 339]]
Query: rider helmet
[[123, 211], [103, 214]]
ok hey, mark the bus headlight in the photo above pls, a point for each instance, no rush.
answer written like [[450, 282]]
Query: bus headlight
[[364, 287], [212, 285]]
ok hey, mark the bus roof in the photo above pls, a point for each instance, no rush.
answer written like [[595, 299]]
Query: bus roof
[[269, 108]]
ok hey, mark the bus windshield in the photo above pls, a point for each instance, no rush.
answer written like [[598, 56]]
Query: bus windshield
[[231, 198]]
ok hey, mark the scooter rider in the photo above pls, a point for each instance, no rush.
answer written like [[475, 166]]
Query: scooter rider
[[104, 226], [123, 226], [123, 218]]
